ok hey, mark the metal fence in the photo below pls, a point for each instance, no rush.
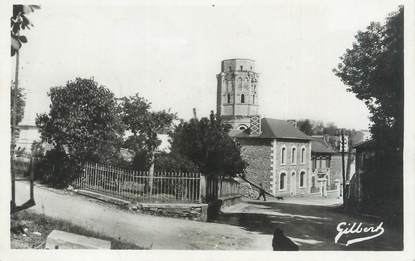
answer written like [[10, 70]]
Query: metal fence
[[161, 187], [140, 186], [227, 187], [220, 187]]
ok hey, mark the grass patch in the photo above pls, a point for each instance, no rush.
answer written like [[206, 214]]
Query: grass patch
[[26, 225]]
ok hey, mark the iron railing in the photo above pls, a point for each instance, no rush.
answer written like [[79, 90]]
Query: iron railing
[[160, 187]]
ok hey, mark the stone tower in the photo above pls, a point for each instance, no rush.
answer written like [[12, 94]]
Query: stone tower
[[237, 93]]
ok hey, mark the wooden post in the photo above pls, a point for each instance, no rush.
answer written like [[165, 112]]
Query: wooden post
[[202, 189]]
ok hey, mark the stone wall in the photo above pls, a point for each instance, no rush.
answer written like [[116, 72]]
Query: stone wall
[[188, 211], [257, 153]]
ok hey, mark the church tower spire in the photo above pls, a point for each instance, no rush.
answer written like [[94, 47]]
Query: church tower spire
[[237, 92]]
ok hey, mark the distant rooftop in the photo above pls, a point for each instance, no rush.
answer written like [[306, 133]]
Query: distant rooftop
[[319, 145]]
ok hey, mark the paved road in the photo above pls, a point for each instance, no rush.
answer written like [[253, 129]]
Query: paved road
[[143, 230], [312, 227]]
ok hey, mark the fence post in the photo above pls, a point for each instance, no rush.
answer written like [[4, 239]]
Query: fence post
[[202, 188]]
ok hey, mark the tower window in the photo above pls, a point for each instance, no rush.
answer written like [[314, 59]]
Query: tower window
[[253, 99], [242, 68], [242, 98], [229, 98]]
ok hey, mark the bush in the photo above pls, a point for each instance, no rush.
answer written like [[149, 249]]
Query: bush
[[56, 168]]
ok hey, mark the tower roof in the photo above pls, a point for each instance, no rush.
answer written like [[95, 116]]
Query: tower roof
[[232, 59]]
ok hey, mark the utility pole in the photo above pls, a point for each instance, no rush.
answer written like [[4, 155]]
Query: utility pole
[[343, 169]]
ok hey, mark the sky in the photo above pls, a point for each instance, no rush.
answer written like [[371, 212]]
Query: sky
[[170, 53]]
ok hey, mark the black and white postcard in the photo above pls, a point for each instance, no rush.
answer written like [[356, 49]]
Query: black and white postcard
[[246, 129]]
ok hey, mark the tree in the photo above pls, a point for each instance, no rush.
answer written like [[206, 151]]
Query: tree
[[318, 127], [330, 129], [172, 162], [305, 126], [84, 121], [19, 21], [207, 143], [144, 126], [373, 70]]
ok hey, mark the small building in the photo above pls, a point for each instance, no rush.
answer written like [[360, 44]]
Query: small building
[[322, 178]]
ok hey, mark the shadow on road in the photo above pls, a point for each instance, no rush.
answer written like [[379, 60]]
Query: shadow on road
[[311, 227]]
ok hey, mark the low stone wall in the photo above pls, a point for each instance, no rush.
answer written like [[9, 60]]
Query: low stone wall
[[192, 211], [229, 201], [215, 207], [196, 212]]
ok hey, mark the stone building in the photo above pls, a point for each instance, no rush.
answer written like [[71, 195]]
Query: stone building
[[278, 154]]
